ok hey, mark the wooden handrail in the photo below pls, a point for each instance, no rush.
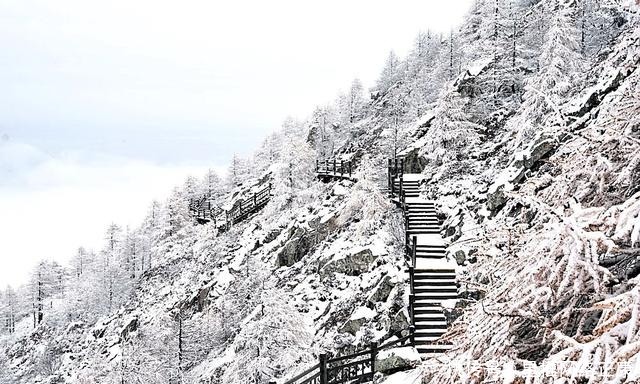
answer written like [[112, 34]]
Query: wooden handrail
[[328, 168], [326, 366]]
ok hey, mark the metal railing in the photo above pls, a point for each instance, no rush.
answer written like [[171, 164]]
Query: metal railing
[[334, 168], [360, 366]]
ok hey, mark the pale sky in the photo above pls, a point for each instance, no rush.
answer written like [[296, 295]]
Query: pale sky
[[105, 105]]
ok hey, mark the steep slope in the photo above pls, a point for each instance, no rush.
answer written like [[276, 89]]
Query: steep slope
[[533, 162]]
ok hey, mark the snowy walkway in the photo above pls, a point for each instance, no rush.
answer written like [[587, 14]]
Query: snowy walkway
[[432, 275]]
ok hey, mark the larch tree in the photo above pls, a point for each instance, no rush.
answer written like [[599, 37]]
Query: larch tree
[[559, 62], [390, 74]]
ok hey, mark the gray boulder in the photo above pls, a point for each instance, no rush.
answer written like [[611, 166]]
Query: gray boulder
[[460, 257], [352, 265], [357, 320], [382, 290], [300, 240], [399, 322], [397, 359]]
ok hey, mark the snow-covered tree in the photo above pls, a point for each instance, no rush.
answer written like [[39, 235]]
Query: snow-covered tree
[[274, 342]]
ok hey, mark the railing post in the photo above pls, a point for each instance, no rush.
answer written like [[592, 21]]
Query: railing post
[[374, 354], [412, 336], [414, 250], [255, 200], [389, 177], [406, 232], [412, 302], [411, 278], [269, 189], [334, 166], [317, 166], [400, 183], [341, 167], [323, 368], [349, 168]]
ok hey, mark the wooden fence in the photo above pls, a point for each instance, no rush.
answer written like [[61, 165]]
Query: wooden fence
[[205, 212], [329, 168], [395, 169], [356, 367]]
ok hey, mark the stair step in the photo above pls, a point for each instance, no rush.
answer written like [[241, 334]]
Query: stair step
[[435, 292], [430, 295], [423, 231], [436, 252], [430, 325], [434, 282], [433, 349], [423, 226], [428, 335], [434, 270], [430, 256], [428, 312]]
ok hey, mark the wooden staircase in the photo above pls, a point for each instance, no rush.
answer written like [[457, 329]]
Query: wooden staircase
[[204, 211], [432, 278], [333, 169]]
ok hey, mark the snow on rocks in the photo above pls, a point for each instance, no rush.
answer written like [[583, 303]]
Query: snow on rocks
[[395, 359]]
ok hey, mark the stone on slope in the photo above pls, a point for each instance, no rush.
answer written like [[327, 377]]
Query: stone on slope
[[382, 290], [357, 320], [397, 359], [353, 264]]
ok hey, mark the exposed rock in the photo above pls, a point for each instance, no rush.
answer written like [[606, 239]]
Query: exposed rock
[[357, 319], [130, 326], [399, 322], [272, 235], [397, 359], [352, 265], [413, 162], [301, 241], [382, 290], [539, 149], [451, 314], [496, 200], [460, 257], [295, 248], [517, 169]]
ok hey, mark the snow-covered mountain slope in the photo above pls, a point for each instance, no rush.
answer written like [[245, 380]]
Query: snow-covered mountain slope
[[524, 125]]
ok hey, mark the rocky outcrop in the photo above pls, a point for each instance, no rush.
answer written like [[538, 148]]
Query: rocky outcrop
[[516, 171], [413, 162], [301, 240], [357, 320], [399, 322], [397, 359], [382, 290], [352, 264]]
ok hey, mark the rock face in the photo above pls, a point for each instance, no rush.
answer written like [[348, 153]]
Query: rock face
[[357, 320], [517, 170], [295, 248], [399, 322], [451, 314], [413, 162], [382, 290], [352, 265], [301, 240], [460, 257], [397, 359]]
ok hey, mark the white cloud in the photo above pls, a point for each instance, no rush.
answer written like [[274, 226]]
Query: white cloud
[[55, 205]]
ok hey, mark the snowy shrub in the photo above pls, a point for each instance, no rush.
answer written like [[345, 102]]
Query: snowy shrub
[[271, 344], [365, 206]]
